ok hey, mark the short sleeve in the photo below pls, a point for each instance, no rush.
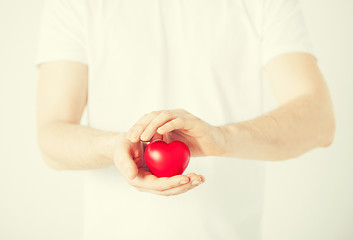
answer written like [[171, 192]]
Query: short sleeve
[[284, 29], [61, 33]]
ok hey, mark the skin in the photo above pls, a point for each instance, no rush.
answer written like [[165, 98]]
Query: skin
[[303, 121]]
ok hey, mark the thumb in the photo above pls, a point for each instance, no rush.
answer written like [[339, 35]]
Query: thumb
[[124, 162]]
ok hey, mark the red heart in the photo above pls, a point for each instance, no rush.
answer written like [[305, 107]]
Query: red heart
[[166, 160]]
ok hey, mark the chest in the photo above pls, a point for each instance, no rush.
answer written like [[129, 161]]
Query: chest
[[180, 32]]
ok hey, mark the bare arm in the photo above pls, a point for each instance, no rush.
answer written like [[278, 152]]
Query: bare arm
[[61, 99], [65, 144], [303, 121]]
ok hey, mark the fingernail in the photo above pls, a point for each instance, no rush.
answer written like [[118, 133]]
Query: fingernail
[[144, 137], [195, 183]]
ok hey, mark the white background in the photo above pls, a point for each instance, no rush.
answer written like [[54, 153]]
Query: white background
[[310, 197]]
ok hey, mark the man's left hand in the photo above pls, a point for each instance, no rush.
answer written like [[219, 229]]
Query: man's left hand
[[203, 139]]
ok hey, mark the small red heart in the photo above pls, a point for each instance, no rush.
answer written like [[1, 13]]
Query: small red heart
[[167, 160]]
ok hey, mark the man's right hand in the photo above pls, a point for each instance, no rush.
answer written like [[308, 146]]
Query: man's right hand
[[65, 144], [128, 158]]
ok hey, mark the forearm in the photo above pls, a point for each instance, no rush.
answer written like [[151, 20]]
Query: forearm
[[287, 132], [71, 146]]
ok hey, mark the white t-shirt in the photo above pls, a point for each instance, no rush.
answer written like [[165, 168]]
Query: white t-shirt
[[205, 56]]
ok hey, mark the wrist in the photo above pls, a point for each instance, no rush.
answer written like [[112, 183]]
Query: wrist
[[228, 133], [221, 140], [107, 144]]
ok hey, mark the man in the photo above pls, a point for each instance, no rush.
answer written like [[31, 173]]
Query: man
[[177, 70]]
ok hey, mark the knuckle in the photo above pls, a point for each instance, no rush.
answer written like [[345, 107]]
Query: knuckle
[[151, 126], [196, 118], [167, 114], [154, 113], [192, 175], [182, 119], [189, 116], [138, 127], [132, 129], [145, 115], [184, 112]]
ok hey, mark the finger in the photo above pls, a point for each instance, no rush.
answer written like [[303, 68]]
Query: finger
[[195, 179], [202, 178], [163, 184], [160, 120], [169, 192], [178, 123], [147, 180], [125, 163], [157, 136], [135, 131], [177, 190]]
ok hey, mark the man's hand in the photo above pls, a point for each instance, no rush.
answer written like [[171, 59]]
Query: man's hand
[[202, 138], [128, 158], [303, 121]]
